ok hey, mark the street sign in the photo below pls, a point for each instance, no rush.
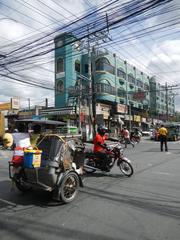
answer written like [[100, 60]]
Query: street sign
[[139, 96], [59, 111]]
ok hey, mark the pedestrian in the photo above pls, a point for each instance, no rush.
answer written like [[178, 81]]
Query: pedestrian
[[163, 137], [22, 137], [127, 137], [35, 135], [21, 140], [7, 140]]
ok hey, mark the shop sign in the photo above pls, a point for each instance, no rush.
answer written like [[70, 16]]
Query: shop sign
[[139, 96], [137, 118], [59, 111], [155, 121], [121, 108], [143, 120], [128, 117], [15, 103], [103, 109], [82, 116]]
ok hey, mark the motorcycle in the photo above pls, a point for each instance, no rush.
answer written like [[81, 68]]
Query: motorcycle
[[115, 154], [135, 138]]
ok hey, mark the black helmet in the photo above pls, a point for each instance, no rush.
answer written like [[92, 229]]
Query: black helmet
[[102, 130]]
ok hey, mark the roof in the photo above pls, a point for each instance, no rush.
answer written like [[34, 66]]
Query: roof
[[41, 122]]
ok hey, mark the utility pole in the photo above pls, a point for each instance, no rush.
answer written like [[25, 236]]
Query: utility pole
[[129, 112], [115, 61], [89, 43], [167, 108], [167, 98], [46, 103], [79, 103], [90, 87], [29, 103], [93, 90]]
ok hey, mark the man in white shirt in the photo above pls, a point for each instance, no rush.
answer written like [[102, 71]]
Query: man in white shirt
[[22, 137]]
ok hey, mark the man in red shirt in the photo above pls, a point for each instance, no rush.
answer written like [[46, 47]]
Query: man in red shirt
[[100, 146]]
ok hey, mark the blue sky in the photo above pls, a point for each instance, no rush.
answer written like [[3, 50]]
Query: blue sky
[[156, 53]]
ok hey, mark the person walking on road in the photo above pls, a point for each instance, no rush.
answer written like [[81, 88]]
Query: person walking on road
[[127, 137], [163, 137]]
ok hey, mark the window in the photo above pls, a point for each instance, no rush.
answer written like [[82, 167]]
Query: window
[[162, 95], [86, 68], [146, 86], [131, 79], [139, 83], [60, 86], [121, 92], [60, 65], [105, 88], [77, 66], [103, 64], [121, 73]]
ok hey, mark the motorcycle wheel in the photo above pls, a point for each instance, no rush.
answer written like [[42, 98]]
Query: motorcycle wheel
[[91, 163], [126, 168], [22, 185], [69, 187]]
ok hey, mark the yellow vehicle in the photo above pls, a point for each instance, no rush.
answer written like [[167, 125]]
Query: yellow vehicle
[[3, 107]]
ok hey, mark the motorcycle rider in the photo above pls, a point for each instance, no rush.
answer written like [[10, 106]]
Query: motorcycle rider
[[135, 135], [100, 146]]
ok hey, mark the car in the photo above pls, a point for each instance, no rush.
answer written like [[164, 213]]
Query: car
[[146, 133]]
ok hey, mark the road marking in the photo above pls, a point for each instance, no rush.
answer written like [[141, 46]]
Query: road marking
[[163, 173]]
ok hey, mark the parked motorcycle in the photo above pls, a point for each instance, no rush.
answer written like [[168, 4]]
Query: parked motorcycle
[[115, 154]]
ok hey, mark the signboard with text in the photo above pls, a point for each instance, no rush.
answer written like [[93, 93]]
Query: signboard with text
[[15, 103], [121, 108], [59, 111], [139, 96]]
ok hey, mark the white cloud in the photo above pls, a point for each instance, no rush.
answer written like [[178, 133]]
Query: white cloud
[[20, 26]]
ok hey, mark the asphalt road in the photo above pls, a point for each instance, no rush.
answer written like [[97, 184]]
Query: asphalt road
[[145, 206]]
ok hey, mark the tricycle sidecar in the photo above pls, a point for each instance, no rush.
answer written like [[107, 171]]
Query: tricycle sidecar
[[54, 173]]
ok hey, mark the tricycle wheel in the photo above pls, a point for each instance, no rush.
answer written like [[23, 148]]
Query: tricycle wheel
[[22, 185], [69, 187]]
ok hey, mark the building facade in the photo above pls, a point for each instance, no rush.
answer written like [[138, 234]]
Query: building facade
[[117, 92]]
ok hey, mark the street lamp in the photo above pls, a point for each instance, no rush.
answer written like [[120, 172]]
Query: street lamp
[[127, 101]]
